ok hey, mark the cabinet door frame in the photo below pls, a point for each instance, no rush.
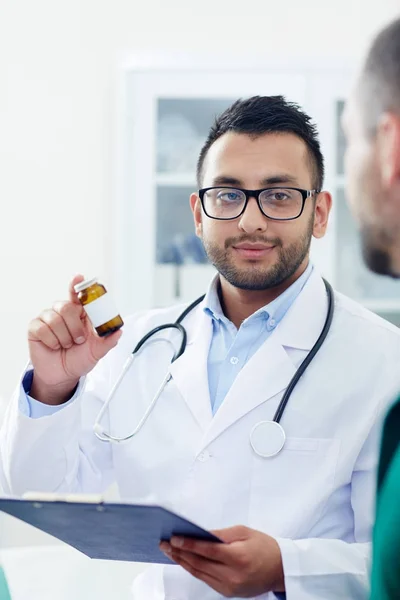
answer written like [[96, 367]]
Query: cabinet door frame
[[323, 91], [139, 88]]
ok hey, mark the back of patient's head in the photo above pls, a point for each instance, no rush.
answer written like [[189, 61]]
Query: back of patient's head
[[379, 87]]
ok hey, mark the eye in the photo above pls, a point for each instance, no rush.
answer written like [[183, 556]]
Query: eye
[[279, 195], [229, 196]]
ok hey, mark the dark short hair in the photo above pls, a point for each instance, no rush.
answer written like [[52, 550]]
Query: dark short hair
[[379, 88], [267, 114]]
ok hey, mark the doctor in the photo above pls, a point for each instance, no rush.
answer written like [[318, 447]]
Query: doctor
[[298, 522]]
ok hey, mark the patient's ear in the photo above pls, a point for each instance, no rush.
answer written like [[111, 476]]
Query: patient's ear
[[388, 151]]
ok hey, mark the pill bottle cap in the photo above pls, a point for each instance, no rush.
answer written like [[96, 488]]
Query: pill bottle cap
[[85, 284]]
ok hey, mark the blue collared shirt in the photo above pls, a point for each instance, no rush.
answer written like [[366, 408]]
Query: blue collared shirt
[[231, 348]]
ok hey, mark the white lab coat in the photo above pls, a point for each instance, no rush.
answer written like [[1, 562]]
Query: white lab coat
[[315, 497]]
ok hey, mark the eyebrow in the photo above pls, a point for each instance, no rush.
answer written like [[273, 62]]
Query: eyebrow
[[279, 179]]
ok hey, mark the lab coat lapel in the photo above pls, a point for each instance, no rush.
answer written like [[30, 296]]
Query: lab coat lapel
[[266, 374], [189, 371], [304, 321], [271, 368]]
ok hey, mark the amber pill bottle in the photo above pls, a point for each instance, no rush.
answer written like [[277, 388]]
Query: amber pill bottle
[[98, 306]]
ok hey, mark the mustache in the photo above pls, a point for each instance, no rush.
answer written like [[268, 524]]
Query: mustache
[[252, 239]]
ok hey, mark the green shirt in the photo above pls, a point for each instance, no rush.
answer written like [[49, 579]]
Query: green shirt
[[386, 549], [4, 593]]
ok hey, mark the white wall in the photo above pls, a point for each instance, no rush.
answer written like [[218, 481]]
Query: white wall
[[57, 119]]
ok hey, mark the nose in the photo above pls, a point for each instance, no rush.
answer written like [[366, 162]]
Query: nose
[[252, 219]]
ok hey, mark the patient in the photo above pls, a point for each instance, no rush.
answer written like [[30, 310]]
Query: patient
[[4, 591]]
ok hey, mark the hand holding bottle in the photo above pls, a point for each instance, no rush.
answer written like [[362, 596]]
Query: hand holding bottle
[[63, 347]]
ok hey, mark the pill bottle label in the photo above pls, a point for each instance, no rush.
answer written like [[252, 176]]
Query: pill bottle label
[[101, 310]]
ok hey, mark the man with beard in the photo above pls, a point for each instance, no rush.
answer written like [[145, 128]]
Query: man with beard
[[301, 490], [372, 126]]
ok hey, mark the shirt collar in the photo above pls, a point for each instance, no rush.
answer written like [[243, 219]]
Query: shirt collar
[[211, 302], [275, 309]]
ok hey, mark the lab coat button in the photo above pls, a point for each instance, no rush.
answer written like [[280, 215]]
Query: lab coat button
[[203, 456], [234, 360]]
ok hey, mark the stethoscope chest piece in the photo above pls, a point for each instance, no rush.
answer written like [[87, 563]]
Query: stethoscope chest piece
[[267, 438]]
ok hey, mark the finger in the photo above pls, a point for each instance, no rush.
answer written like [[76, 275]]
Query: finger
[[212, 568], [58, 327], [232, 534], [71, 314], [222, 586], [73, 296], [211, 550], [40, 332], [213, 582], [101, 346], [198, 569]]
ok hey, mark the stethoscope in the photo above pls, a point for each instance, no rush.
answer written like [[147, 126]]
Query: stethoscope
[[267, 438]]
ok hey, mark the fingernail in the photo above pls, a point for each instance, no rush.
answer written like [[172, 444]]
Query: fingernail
[[177, 542], [165, 547], [79, 340]]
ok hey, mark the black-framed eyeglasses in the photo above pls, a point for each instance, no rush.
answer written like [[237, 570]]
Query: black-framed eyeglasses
[[277, 203]]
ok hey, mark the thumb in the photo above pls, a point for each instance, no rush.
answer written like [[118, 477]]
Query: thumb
[[103, 345], [73, 296], [232, 534]]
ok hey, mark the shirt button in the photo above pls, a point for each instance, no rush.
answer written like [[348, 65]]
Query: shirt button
[[272, 322], [234, 360], [203, 456]]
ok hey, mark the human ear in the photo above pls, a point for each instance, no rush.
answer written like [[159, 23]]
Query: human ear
[[195, 205], [323, 205], [388, 150]]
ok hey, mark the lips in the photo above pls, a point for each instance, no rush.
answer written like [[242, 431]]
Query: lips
[[252, 251], [247, 246]]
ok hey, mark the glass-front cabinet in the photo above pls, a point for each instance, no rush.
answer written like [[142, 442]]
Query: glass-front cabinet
[[164, 116], [181, 265]]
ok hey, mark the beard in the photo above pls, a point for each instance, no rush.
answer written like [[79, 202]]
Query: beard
[[378, 227], [257, 277], [376, 251]]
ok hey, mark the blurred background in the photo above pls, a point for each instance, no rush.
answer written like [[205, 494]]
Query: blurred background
[[103, 109]]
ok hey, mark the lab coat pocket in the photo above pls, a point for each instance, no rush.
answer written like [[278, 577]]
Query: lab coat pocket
[[289, 491]]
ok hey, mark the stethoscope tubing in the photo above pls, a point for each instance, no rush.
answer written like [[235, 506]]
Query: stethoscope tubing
[[310, 356], [102, 435]]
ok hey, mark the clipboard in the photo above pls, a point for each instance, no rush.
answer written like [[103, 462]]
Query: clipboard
[[103, 530]]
